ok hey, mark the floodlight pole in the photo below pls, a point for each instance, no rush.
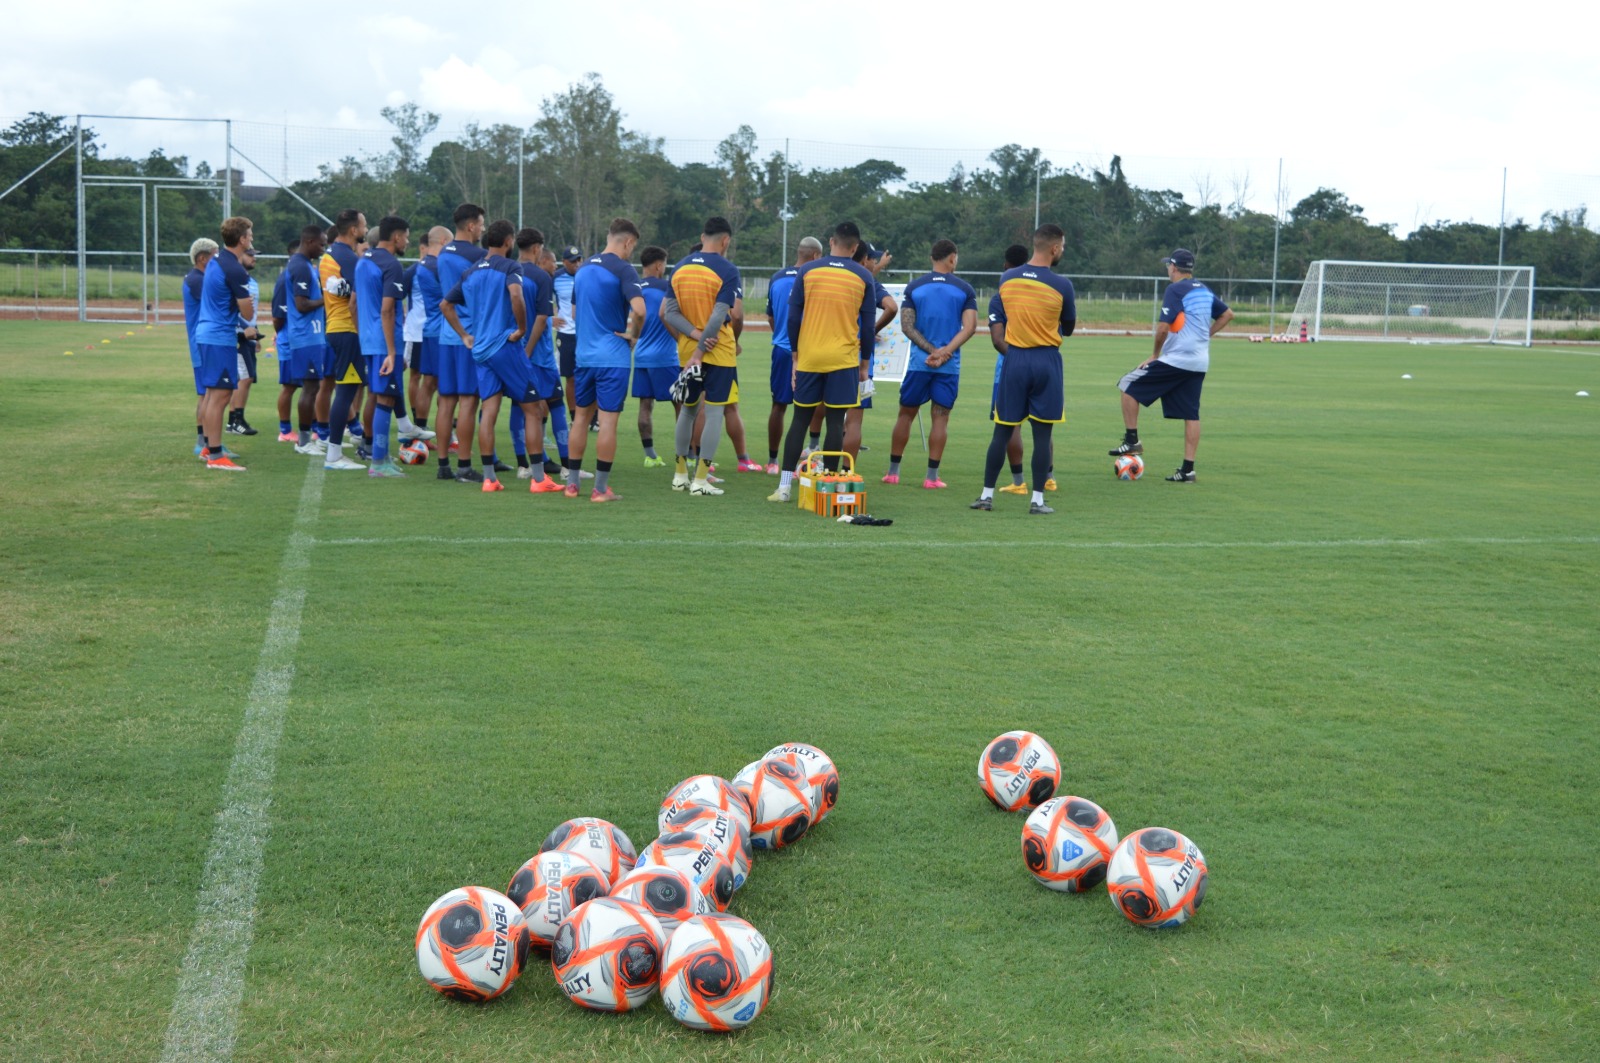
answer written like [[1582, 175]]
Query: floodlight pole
[[83, 246], [783, 258], [1277, 228], [1035, 195], [227, 173], [520, 145]]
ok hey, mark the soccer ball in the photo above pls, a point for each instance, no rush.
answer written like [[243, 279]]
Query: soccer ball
[[1128, 467], [1019, 770], [550, 885], [601, 841], [664, 892], [708, 869], [728, 833], [780, 802], [414, 453], [710, 790], [472, 944], [1157, 877], [820, 773], [716, 974], [1066, 843], [607, 955]]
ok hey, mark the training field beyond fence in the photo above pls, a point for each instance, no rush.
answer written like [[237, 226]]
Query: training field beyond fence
[[1356, 663]]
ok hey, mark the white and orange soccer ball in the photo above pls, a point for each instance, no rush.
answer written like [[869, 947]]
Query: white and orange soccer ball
[[598, 839], [472, 943], [1128, 467], [414, 453], [725, 830], [779, 795], [711, 790], [664, 892], [820, 773], [607, 955], [708, 869], [549, 886], [717, 973], [1157, 877], [1019, 770], [1067, 842]]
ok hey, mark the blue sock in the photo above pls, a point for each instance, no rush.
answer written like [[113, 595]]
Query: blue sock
[[519, 431], [320, 428], [283, 426], [381, 418], [558, 426]]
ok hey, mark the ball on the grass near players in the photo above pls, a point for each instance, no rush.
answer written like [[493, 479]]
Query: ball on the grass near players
[[712, 790], [1019, 770], [472, 943], [779, 795], [820, 773], [1128, 467], [664, 892], [716, 973], [600, 840], [607, 955], [1157, 877], [724, 830], [550, 885], [414, 453], [1067, 842], [708, 869]]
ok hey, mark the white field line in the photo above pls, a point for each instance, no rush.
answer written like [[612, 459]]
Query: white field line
[[205, 1012], [865, 543]]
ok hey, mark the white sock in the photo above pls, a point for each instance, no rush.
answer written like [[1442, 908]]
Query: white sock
[[784, 479], [335, 451], [1038, 498], [405, 425], [988, 492]]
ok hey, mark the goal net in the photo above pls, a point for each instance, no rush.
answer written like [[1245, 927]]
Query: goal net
[[1412, 301]]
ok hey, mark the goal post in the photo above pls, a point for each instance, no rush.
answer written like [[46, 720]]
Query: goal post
[[1420, 302]]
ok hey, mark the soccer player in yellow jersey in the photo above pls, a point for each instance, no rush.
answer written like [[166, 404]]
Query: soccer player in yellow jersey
[[337, 270], [706, 310]]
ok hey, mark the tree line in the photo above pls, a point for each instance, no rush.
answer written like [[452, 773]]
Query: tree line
[[582, 166]]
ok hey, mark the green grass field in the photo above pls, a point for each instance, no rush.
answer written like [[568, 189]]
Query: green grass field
[[1357, 663]]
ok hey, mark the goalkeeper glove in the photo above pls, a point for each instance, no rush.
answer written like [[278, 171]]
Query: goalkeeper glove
[[337, 285]]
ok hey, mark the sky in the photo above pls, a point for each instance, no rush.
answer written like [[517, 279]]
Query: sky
[[1414, 112]]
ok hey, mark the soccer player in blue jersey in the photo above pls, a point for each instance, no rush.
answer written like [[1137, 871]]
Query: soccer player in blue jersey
[[1015, 256], [706, 311], [291, 374], [425, 295], [541, 352], [655, 356], [608, 311], [200, 253], [496, 316], [380, 291], [305, 335], [1039, 310], [565, 322], [782, 357], [1175, 372], [247, 340], [224, 300], [939, 313], [458, 375]]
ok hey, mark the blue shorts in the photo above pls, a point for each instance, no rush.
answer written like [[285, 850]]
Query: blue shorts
[[348, 360], [1031, 387], [385, 385], [458, 373], [782, 376], [291, 366], [219, 366], [567, 346], [603, 386], [199, 388], [1178, 389], [840, 388], [507, 372], [428, 356], [318, 361], [654, 382], [919, 387], [546, 381]]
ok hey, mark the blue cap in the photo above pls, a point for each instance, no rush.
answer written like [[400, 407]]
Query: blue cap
[[874, 251], [1182, 258], [571, 253]]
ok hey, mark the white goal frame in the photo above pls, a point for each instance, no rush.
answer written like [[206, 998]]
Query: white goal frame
[[1417, 302]]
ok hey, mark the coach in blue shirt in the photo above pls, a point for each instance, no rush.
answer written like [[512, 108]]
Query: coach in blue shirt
[[938, 313], [224, 299]]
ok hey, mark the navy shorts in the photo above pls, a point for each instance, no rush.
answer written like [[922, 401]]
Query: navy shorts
[[247, 359], [507, 372], [654, 382], [347, 358], [567, 348], [720, 384], [458, 373], [291, 366], [1178, 389], [318, 361], [603, 386], [1031, 387], [939, 388], [427, 362], [840, 388], [385, 385], [219, 366], [782, 376]]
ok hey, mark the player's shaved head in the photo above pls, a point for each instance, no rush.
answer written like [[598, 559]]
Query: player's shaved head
[[810, 249], [438, 236]]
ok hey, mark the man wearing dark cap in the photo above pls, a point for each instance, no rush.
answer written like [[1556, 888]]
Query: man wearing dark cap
[[1174, 373], [565, 322]]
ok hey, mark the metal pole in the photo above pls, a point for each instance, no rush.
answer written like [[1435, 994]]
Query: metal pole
[[1036, 195], [227, 175], [519, 178], [1277, 227], [83, 244], [144, 251], [783, 257], [1501, 260], [155, 228]]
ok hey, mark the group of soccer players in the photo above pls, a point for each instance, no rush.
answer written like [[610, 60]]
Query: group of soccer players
[[487, 317]]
